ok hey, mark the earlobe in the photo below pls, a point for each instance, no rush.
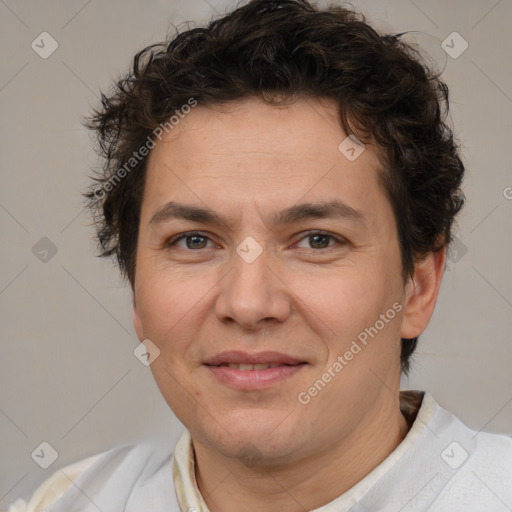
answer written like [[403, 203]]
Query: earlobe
[[422, 291]]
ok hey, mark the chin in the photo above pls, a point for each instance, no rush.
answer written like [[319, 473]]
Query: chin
[[253, 437]]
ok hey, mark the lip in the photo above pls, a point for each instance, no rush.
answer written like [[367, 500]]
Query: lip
[[239, 357], [253, 379]]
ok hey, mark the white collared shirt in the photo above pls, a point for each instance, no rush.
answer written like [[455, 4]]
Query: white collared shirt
[[440, 466]]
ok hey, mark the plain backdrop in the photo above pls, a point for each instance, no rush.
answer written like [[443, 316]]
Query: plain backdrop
[[68, 373]]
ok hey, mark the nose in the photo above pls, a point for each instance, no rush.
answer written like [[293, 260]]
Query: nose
[[252, 294]]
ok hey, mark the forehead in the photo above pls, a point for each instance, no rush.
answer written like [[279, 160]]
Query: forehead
[[307, 128], [251, 150]]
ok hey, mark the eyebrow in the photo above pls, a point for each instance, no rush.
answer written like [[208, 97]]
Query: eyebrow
[[335, 209]]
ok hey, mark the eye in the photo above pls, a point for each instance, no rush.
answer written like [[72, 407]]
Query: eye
[[320, 240], [193, 240]]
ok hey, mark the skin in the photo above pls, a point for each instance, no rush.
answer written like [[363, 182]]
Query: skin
[[305, 297]]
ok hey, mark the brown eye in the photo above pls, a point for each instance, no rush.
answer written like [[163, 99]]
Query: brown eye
[[319, 241]]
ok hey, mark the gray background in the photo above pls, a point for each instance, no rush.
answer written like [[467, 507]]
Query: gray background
[[68, 373]]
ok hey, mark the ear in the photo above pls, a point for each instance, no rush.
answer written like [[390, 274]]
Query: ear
[[137, 322], [421, 293]]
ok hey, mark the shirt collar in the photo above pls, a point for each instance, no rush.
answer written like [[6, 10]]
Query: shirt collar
[[417, 407]]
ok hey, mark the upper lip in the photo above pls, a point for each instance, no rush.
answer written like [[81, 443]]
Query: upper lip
[[239, 357]]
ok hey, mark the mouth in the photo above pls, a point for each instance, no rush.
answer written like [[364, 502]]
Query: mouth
[[244, 367], [248, 361], [244, 371]]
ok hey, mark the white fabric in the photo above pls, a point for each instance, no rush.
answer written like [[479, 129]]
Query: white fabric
[[426, 472], [185, 486], [53, 488]]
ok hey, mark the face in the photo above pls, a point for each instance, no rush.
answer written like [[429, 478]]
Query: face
[[245, 274]]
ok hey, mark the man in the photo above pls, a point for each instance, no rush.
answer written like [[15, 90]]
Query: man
[[279, 189]]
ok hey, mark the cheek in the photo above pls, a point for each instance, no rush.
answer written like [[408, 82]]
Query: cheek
[[345, 298], [346, 307], [168, 306]]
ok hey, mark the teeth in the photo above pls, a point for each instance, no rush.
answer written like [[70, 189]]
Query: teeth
[[247, 367]]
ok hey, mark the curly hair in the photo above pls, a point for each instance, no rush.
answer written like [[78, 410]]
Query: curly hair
[[274, 50]]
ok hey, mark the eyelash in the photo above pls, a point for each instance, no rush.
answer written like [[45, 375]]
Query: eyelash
[[173, 241]]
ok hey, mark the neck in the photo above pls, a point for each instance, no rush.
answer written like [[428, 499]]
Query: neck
[[228, 486]]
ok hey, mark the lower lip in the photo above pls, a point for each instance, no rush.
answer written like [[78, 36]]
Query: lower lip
[[254, 379]]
